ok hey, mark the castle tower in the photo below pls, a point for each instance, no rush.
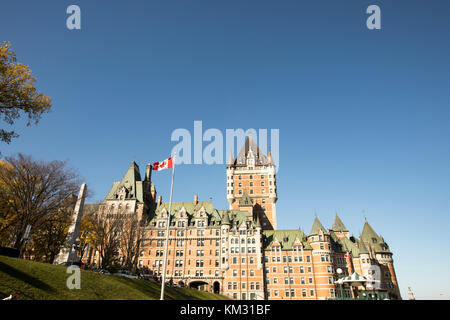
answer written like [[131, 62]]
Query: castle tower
[[252, 175], [381, 253]]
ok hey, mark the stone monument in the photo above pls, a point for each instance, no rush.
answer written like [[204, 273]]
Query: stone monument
[[67, 254]]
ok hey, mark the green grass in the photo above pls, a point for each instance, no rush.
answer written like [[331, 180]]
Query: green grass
[[41, 281]]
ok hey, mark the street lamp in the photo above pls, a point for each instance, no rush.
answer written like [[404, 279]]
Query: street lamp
[[339, 271]]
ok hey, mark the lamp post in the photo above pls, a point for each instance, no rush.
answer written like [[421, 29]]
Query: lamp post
[[339, 271]]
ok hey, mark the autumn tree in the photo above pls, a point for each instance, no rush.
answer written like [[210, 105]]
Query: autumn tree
[[133, 233], [107, 238], [18, 94], [48, 238], [87, 224], [118, 235], [33, 190], [8, 217]]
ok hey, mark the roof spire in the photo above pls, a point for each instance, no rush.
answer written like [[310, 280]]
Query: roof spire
[[317, 226], [338, 225], [257, 222], [230, 159], [269, 157]]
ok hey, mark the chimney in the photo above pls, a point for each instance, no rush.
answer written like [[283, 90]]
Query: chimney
[[159, 200], [195, 199], [148, 173]]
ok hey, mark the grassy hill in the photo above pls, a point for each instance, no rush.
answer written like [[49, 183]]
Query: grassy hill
[[41, 281]]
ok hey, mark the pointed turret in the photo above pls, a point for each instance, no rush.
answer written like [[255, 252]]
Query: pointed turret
[[372, 240], [338, 225], [368, 234], [231, 159], [269, 158], [316, 227]]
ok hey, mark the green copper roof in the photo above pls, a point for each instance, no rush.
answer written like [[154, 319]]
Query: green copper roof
[[238, 217], [215, 217], [132, 182], [338, 225], [362, 247], [286, 238], [189, 206], [349, 246], [372, 240], [368, 233], [245, 201], [345, 245], [317, 226], [225, 218]]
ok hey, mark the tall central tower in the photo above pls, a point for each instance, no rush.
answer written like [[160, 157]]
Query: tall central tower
[[251, 184]]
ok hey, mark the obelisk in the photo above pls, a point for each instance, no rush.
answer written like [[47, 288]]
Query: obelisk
[[67, 254]]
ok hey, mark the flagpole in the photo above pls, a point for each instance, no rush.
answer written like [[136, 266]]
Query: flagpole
[[167, 231]]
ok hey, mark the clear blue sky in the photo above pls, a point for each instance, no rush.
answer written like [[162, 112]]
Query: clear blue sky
[[363, 115]]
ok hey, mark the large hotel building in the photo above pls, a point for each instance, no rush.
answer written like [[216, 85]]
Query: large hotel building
[[239, 252]]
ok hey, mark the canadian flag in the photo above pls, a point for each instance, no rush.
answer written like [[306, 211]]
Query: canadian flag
[[347, 255], [166, 164]]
